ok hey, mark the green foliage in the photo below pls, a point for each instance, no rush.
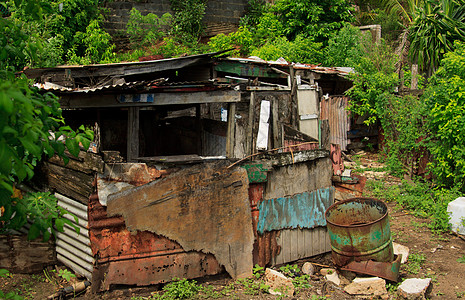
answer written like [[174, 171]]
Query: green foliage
[[374, 81], [312, 18], [252, 286], [242, 41], [445, 99], [435, 27], [65, 274], [254, 11], [415, 261], [344, 47], [302, 50], [31, 126], [180, 289], [149, 29], [188, 18], [258, 271], [461, 259], [422, 199], [301, 282], [290, 270]]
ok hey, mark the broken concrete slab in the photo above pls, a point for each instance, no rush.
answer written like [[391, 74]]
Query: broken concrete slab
[[308, 268], [400, 249], [414, 288], [333, 277], [325, 271], [278, 283], [367, 286], [204, 208]]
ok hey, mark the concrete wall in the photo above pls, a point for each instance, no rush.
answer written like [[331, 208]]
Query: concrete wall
[[221, 16]]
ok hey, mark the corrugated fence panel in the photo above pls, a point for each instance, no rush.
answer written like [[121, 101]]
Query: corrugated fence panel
[[73, 249], [296, 244], [334, 109]]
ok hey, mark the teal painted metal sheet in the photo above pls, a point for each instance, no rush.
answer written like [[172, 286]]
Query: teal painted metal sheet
[[305, 210]]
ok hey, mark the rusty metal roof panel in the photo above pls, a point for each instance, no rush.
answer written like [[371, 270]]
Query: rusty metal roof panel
[[126, 68]]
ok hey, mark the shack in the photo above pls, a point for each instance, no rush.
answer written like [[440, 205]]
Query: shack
[[200, 164]]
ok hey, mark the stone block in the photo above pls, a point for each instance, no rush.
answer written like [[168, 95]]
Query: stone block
[[367, 286], [415, 289], [278, 283]]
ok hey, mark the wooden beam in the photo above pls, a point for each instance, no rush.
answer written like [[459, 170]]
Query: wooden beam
[[82, 100], [249, 133], [274, 120], [231, 128], [133, 134]]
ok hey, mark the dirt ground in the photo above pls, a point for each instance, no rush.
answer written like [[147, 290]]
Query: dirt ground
[[439, 257]]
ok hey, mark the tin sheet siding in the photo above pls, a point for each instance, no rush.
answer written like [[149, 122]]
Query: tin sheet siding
[[73, 249], [334, 109], [300, 243], [305, 210]]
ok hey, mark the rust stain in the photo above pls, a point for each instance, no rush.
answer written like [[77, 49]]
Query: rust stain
[[265, 245], [140, 259], [204, 207]]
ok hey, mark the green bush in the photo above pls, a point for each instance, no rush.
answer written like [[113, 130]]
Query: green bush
[[445, 100], [148, 29]]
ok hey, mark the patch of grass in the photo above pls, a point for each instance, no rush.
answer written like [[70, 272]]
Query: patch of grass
[[301, 282], [459, 294], [417, 225], [422, 199], [290, 270], [415, 261], [461, 259], [252, 287]]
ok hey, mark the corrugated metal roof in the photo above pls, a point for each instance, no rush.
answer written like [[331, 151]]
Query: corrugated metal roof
[[126, 68], [282, 62]]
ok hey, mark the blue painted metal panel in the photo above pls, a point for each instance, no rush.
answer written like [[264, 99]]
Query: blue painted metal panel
[[305, 210]]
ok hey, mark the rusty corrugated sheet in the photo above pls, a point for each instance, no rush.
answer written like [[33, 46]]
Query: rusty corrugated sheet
[[334, 109], [304, 210], [140, 259], [204, 208]]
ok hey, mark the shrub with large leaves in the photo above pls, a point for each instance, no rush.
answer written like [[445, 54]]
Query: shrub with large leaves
[[445, 98]]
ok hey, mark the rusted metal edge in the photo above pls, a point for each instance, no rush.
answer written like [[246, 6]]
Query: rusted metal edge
[[386, 270]]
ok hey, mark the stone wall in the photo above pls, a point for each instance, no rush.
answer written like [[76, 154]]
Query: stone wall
[[221, 16]]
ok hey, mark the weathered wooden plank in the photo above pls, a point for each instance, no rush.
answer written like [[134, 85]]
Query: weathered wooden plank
[[167, 98], [86, 162], [19, 255], [313, 241], [252, 70], [71, 183], [133, 134], [230, 140], [205, 208], [283, 159], [275, 126], [251, 119], [187, 159], [308, 105]]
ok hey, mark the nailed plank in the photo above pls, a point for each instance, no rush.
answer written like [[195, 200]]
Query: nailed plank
[[133, 134], [231, 130], [19, 255], [283, 159], [71, 183], [154, 99], [249, 133], [204, 207], [86, 162]]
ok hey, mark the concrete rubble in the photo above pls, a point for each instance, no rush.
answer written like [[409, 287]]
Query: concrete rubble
[[308, 268], [414, 288], [400, 249], [278, 283], [367, 286]]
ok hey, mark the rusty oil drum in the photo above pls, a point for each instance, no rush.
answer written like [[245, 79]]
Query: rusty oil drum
[[359, 230]]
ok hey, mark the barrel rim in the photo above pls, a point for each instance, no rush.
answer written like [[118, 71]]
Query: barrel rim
[[351, 200]]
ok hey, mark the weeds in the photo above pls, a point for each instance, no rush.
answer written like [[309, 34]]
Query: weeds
[[415, 261], [420, 198], [461, 259], [65, 274]]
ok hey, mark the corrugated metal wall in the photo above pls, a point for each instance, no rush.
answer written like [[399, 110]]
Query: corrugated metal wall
[[334, 109], [73, 249]]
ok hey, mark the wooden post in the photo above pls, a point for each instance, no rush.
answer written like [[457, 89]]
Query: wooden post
[[249, 133], [231, 129], [198, 125], [274, 119], [133, 134]]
